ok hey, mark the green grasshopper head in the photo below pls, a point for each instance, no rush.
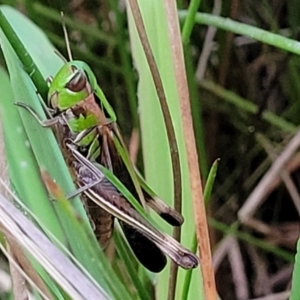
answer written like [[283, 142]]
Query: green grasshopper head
[[74, 82]]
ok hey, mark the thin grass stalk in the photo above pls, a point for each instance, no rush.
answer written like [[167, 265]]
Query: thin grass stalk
[[248, 106], [124, 255], [250, 31], [127, 69], [169, 127], [248, 238], [29, 65], [164, 106], [207, 194], [190, 21], [54, 15], [192, 157]]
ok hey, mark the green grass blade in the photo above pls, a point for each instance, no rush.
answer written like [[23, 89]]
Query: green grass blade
[[295, 292], [250, 31], [126, 256], [157, 161], [207, 194], [45, 151], [17, 225], [23, 168], [248, 106], [210, 181], [21, 158]]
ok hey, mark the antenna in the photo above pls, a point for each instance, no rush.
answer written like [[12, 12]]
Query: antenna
[[66, 37]]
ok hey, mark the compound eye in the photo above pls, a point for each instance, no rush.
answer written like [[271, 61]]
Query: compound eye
[[78, 82]]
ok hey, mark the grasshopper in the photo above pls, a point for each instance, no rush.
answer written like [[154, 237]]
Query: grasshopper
[[89, 137]]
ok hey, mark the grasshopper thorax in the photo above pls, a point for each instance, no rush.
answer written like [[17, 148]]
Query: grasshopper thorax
[[74, 82]]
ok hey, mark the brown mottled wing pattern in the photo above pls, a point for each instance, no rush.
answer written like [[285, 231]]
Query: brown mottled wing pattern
[[101, 221], [148, 243], [145, 250]]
